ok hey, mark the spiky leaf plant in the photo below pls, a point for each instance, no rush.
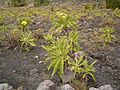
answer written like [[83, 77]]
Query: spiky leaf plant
[[63, 21], [58, 55], [107, 35], [80, 65], [27, 40], [73, 38]]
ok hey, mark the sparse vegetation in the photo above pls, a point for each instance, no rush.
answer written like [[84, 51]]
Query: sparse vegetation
[[79, 41]]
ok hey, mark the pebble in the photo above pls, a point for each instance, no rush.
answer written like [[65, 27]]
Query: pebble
[[40, 62], [36, 57]]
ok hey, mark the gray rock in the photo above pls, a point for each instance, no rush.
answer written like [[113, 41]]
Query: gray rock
[[45, 85], [68, 76], [5, 86], [105, 87], [33, 71], [67, 87], [92, 88]]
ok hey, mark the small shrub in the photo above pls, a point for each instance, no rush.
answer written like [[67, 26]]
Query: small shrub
[[18, 2], [113, 4]]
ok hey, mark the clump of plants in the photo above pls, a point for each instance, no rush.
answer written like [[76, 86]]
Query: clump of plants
[[62, 49], [61, 54], [21, 36], [107, 35], [27, 40]]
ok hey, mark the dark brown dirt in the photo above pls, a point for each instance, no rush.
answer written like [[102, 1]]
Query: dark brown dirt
[[23, 69]]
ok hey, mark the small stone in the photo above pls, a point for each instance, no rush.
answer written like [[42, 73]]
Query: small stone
[[40, 62], [92, 88], [33, 71], [45, 85], [106, 87], [89, 29], [43, 88], [68, 76], [67, 87], [36, 57], [5, 86]]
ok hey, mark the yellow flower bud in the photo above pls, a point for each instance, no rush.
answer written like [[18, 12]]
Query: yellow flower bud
[[24, 23]]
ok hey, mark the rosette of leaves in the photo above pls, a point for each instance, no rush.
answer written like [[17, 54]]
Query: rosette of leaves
[[63, 21], [107, 35], [81, 66], [27, 40]]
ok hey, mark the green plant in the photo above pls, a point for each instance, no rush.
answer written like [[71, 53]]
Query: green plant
[[107, 35], [81, 66], [116, 12], [73, 38], [62, 21], [3, 30], [78, 85], [58, 55], [18, 2], [27, 40], [1, 19], [59, 52], [41, 2], [49, 37], [113, 4]]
